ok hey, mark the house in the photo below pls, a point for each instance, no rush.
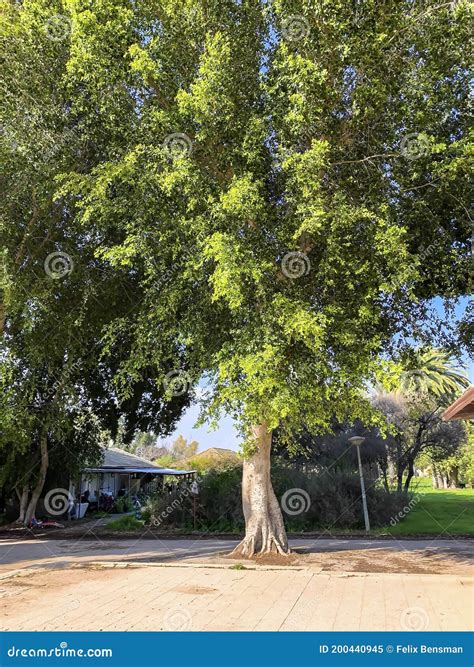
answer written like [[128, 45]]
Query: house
[[123, 473]]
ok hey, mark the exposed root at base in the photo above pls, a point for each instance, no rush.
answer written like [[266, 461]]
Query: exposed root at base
[[250, 547]]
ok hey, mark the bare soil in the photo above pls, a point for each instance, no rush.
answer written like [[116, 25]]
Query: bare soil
[[375, 560]]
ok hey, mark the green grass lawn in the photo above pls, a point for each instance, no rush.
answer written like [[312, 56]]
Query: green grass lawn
[[441, 512]]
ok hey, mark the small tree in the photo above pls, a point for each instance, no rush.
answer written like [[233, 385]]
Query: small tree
[[416, 427]]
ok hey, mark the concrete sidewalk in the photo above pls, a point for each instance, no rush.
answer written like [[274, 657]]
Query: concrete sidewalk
[[202, 598]]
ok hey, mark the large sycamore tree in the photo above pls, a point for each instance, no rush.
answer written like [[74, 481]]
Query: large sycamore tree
[[288, 180]]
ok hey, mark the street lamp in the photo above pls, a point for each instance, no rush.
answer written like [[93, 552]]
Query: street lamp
[[357, 440]]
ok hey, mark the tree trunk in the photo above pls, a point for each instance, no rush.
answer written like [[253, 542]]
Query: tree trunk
[[23, 498], [35, 494], [410, 475], [392, 474], [264, 528], [386, 485], [454, 478], [400, 465], [437, 479], [399, 481]]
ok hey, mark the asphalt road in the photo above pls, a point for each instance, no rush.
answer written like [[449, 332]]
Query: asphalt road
[[43, 553]]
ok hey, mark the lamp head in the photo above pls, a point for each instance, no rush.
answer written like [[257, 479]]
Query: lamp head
[[356, 440]]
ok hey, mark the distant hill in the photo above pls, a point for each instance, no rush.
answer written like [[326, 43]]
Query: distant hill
[[214, 457]]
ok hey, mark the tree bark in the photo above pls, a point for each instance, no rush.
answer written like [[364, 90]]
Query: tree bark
[[23, 498], [35, 494], [454, 477], [437, 479], [391, 472], [264, 527], [410, 475], [399, 481], [386, 485]]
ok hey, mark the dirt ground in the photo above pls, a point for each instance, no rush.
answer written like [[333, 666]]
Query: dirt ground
[[426, 561], [384, 560]]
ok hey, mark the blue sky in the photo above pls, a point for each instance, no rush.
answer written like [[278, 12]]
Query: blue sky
[[227, 436]]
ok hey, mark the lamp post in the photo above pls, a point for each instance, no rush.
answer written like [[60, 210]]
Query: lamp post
[[357, 440]]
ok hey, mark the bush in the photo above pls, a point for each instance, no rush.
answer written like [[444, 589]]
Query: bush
[[123, 504], [334, 502], [220, 500], [169, 509], [125, 524]]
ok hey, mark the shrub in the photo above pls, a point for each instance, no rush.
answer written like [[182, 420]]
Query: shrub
[[125, 524], [169, 509], [334, 501], [123, 504]]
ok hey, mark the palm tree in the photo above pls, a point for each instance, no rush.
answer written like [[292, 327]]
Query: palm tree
[[432, 371]]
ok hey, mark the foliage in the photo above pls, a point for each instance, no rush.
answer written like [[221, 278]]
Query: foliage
[[123, 504], [204, 463], [294, 146], [433, 372], [336, 499], [423, 381], [165, 461], [416, 426], [456, 465], [57, 295], [179, 450], [182, 449], [315, 452], [125, 524]]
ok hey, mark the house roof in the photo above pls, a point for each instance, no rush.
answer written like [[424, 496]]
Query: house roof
[[117, 460], [462, 408]]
